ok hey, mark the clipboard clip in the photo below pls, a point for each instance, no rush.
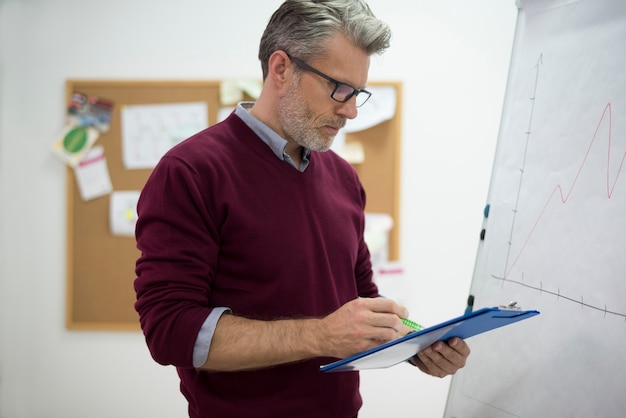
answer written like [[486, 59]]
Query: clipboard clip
[[511, 306]]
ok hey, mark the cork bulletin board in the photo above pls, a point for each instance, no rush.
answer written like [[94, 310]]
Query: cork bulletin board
[[100, 265]]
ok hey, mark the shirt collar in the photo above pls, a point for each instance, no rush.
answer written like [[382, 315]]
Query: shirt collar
[[276, 143]]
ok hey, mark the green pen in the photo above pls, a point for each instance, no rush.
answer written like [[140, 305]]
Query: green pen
[[409, 323]]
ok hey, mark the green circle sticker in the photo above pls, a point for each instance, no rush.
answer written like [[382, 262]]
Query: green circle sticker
[[75, 140]]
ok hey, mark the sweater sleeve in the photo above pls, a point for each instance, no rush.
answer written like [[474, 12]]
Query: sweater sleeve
[[363, 269], [178, 240]]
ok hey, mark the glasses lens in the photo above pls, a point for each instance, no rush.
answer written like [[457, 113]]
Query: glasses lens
[[362, 97], [343, 92]]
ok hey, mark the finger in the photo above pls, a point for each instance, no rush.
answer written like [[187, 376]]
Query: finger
[[406, 329], [384, 313], [460, 346], [432, 362], [383, 305], [417, 361], [455, 352], [387, 320], [443, 359]]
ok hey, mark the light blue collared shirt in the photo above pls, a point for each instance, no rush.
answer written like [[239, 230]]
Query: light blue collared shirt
[[277, 144]]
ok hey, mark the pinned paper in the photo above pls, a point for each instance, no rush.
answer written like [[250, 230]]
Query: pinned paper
[[232, 91], [380, 108], [87, 117], [74, 142], [92, 174], [149, 131], [353, 152], [123, 212], [90, 111]]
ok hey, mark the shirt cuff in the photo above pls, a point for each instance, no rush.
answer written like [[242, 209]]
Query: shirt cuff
[[203, 341]]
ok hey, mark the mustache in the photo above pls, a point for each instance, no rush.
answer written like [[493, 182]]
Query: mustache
[[337, 123]]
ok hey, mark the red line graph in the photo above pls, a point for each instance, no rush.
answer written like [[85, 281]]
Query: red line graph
[[558, 190]]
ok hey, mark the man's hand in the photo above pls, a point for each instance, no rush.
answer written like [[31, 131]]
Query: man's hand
[[359, 325], [442, 359]]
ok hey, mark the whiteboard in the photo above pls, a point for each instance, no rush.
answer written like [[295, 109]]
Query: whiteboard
[[555, 228]]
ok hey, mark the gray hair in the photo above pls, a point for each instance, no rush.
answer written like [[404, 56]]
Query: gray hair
[[302, 28]]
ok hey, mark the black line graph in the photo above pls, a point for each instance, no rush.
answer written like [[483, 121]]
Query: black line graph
[[559, 295]]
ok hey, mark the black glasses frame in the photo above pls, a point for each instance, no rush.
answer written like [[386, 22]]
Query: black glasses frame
[[362, 96]]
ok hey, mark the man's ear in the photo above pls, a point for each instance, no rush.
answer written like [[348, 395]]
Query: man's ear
[[280, 69]]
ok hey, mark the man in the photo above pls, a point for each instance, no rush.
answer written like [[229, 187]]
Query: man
[[254, 270]]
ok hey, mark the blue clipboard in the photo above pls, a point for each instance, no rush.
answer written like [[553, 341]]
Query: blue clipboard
[[403, 348]]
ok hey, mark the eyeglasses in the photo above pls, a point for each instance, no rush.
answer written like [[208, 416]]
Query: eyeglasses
[[342, 91]]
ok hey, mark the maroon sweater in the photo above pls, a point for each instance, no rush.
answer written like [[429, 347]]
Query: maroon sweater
[[224, 222]]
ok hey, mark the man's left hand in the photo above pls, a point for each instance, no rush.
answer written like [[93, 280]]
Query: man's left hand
[[442, 358]]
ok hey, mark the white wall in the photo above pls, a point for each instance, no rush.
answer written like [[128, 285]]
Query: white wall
[[452, 56]]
